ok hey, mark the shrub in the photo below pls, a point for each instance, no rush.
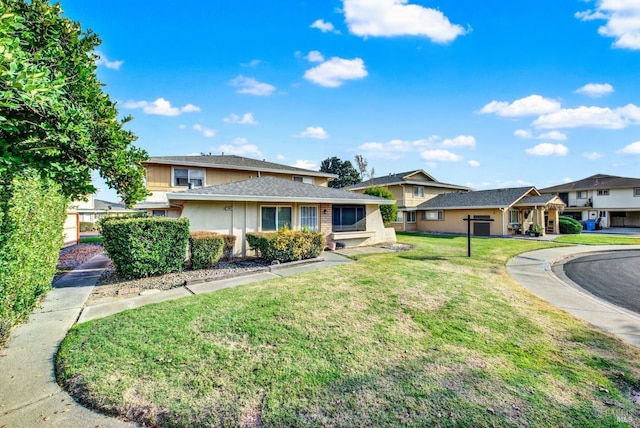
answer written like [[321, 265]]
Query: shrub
[[388, 212], [287, 245], [87, 226], [229, 245], [32, 214], [569, 225], [145, 246], [205, 248]]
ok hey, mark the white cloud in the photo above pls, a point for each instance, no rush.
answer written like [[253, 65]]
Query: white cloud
[[240, 147], [314, 56], [591, 117], [160, 107], [553, 135], [324, 26], [440, 156], [548, 149], [207, 132], [473, 163], [532, 105], [631, 149], [523, 133], [249, 85], [305, 164], [460, 141], [246, 119], [253, 63], [623, 21], [103, 60], [388, 18], [281, 157], [592, 155], [595, 90], [313, 132], [336, 71]]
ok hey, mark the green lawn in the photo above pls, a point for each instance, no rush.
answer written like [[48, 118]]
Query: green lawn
[[90, 239], [421, 338], [598, 239]]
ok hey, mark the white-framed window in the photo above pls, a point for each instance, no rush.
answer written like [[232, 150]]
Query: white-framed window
[[433, 215], [159, 213], [309, 218], [582, 194], [183, 177], [603, 192], [514, 217], [636, 192], [349, 218], [273, 218], [400, 217], [602, 214], [300, 179], [411, 216], [418, 191]]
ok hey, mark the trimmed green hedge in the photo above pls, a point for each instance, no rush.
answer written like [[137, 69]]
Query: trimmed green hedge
[[88, 226], [287, 245], [569, 225], [145, 246], [32, 214], [205, 249], [229, 244]]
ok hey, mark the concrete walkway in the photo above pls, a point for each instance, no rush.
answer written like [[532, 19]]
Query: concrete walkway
[[29, 393], [534, 271]]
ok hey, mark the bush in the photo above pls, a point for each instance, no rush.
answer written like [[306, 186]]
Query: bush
[[569, 225], [88, 226], [388, 212], [145, 246], [32, 214], [287, 245], [205, 249], [229, 245]]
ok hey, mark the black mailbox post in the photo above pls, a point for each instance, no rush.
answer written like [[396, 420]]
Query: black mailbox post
[[470, 219]]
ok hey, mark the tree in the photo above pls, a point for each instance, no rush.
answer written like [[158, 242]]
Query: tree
[[388, 212], [54, 116], [362, 167], [347, 174]]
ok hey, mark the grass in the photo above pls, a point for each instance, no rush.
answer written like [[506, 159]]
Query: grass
[[90, 239], [426, 337], [598, 239]]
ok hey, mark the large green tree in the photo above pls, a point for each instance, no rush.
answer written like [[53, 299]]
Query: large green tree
[[54, 116], [347, 174]]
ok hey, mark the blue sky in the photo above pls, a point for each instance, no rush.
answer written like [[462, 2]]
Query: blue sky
[[483, 94]]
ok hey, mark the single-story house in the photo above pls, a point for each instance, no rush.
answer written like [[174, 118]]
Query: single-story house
[[510, 211], [268, 203]]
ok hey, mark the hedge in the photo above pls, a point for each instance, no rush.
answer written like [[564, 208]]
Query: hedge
[[32, 215], [287, 245], [205, 249], [229, 245], [388, 212], [145, 246], [88, 226], [569, 225]]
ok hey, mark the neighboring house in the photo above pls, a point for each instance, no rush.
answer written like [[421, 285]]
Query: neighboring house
[[615, 200], [92, 209], [168, 174], [511, 211], [219, 195], [410, 189]]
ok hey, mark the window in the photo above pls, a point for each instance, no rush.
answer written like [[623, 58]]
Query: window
[[186, 177], [275, 218], [602, 214], [513, 217], [433, 215], [349, 218], [603, 192], [399, 217], [411, 216], [309, 218], [159, 213], [418, 191], [308, 180], [636, 192], [582, 194]]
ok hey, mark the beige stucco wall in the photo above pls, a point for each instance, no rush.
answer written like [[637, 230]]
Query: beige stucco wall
[[376, 232], [454, 222]]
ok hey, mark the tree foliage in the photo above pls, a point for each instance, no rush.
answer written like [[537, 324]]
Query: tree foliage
[[347, 174], [388, 212], [54, 116]]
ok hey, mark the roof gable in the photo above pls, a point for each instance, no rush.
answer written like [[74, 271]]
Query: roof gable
[[416, 177], [594, 182], [494, 198]]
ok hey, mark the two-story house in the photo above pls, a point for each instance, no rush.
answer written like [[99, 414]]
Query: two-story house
[[409, 189], [235, 195], [615, 200]]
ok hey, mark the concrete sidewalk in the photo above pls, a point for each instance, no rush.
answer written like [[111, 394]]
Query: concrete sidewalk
[[533, 271], [29, 393]]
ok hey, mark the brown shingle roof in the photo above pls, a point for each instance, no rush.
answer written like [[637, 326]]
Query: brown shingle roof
[[598, 181]]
